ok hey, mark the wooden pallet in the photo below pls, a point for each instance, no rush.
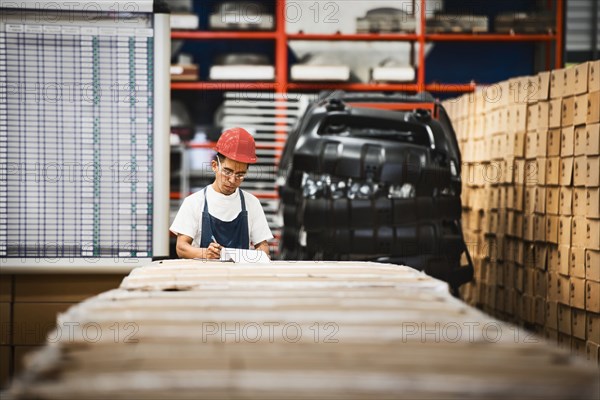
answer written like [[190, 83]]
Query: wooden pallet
[[198, 329]]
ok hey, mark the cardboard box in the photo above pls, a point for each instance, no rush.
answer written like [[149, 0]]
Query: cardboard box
[[592, 296], [578, 323], [567, 141], [552, 315], [577, 293], [592, 352], [594, 76], [519, 278], [580, 109], [500, 299], [592, 171], [566, 171], [33, 321], [528, 227], [515, 197], [5, 322], [580, 171], [593, 113], [543, 85], [528, 304], [539, 310], [63, 288], [564, 319], [568, 111], [553, 193], [533, 117], [540, 200], [566, 200], [577, 262], [503, 119], [593, 234], [517, 117], [569, 82], [515, 224], [540, 283], [592, 139], [519, 171], [540, 172], [518, 146], [530, 173], [564, 230], [552, 229], [540, 254], [579, 205], [543, 114], [539, 228], [563, 252], [553, 173], [580, 140], [511, 302], [579, 231], [592, 265], [580, 78], [564, 290], [552, 287], [529, 88], [531, 146], [553, 259], [553, 140], [593, 203], [557, 83], [541, 142], [593, 327], [530, 193], [578, 347], [555, 113]]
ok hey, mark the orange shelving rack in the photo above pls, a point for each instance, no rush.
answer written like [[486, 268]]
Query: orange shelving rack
[[281, 39]]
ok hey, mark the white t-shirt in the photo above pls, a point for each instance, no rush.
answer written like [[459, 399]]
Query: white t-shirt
[[188, 220]]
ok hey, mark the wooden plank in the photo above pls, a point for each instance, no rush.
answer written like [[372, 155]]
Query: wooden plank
[[197, 329]]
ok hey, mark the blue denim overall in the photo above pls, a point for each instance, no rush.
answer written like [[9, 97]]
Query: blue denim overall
[[231, 234]]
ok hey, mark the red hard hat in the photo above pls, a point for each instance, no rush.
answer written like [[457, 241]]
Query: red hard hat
[[238, 145]]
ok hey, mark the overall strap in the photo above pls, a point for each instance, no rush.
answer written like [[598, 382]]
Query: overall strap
[[242, 200]]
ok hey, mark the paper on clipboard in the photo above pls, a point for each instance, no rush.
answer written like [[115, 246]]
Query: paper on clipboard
[[244, 256]]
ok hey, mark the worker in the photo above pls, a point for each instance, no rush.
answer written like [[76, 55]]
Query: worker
[[222, 215]]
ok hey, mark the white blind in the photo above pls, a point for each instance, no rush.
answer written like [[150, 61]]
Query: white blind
[[580, 25]]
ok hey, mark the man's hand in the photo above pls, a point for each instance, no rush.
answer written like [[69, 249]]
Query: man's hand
[[213, 251]]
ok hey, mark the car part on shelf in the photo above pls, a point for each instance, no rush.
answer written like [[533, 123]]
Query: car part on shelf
[[533, 22], [386, 20], [241, 15], [319, 67], [457, 23], [360, 183], [390, 70], [242, 66]]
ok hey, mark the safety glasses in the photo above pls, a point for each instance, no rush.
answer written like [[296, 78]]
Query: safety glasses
[[227, 173]]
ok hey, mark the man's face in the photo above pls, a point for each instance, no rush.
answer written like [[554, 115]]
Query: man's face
[[229, 176]]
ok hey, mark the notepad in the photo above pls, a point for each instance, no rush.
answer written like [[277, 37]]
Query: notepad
[[244, 256]]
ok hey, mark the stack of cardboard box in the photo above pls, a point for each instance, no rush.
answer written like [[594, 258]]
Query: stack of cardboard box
[[531, 201]]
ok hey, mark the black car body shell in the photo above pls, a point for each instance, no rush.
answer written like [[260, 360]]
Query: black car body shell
[[335, 143]]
